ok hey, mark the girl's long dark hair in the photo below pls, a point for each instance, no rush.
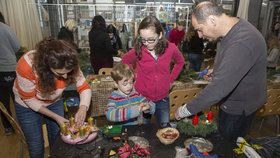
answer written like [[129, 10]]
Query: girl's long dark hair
[[55, 54], [151, 22]]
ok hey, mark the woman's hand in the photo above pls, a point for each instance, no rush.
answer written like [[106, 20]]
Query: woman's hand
[[81, 115], [61, 120]]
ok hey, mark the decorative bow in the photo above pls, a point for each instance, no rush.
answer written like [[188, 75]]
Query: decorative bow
[[125, 151], [141, 151]]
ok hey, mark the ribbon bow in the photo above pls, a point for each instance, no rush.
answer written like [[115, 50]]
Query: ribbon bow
[[141, 151], [125, 151]]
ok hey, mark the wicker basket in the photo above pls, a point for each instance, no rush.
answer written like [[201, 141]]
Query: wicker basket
[[100, 94], [99, 101], [165, 140]]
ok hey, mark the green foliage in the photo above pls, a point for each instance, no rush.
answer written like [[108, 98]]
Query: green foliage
[[84, 62], [201, 129], [20, 52], [187, 75]]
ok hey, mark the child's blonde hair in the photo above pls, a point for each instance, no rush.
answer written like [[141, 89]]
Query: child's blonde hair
[[121, 71], [70, 24]]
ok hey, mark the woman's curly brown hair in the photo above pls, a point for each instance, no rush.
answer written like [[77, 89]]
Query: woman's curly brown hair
[[151, 22], [55, 54]]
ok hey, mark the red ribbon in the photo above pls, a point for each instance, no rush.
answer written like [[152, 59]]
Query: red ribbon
[[125, 151], [141, 151]]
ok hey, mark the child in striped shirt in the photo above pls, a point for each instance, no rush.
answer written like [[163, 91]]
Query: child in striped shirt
[[126, 105]]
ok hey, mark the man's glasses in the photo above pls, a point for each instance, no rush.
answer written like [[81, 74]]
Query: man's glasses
[[149, 40]]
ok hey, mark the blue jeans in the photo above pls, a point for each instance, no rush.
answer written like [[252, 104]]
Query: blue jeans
[[195, 61], [233, 126], [31, 124], [162, 112]]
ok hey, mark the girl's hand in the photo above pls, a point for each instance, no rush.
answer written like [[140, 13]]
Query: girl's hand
[[81, 115], [120, 53]]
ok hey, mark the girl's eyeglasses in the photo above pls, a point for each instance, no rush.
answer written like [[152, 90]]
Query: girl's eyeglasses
[[149, 40]]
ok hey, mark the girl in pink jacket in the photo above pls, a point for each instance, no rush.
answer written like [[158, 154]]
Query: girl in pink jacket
[[152, 59]]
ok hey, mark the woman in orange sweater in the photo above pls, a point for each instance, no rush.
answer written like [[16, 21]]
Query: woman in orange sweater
[[42, 75]]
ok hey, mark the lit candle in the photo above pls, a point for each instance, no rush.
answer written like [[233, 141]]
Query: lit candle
[[195, 120], [210, 116], [72, 121], [90, 121]]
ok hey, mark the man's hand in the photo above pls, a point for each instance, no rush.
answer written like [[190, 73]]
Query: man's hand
[[81, 115], [177, 117]]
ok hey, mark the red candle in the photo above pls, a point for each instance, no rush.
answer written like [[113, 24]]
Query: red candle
[[210, 116], [195, 120]]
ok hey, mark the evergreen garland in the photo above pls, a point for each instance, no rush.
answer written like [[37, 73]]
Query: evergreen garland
[[203, 128]]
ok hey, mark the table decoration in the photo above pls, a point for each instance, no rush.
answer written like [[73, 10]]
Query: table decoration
[[112, 131], [167, 135], [132, 149], [201, 144], [72, 134], [198, 126]]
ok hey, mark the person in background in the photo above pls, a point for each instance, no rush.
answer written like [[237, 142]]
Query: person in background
[[125, 104], [2, 19], [177, 34], [101, 50], [210, 49], [273, 52], [9, 46], [276, 29], [66, 32], [193, 46], [152, 58], [42, 75], [115, 40], [239, 72], [124, 35]]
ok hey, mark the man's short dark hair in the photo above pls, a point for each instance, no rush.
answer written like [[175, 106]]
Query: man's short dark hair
[[205, 9]]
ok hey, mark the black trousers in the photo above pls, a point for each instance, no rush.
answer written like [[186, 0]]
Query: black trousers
[[6, 93]]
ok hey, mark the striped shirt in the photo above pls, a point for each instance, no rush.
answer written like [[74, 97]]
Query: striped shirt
[[125, 108], [27, 92]]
